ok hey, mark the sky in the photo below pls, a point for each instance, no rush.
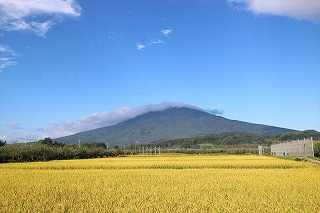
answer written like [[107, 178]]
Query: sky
[[68, 66]]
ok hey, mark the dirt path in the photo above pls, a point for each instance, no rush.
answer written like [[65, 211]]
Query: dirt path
[[313, 160]]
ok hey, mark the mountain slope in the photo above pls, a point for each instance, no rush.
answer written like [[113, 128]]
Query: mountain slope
[[172, 123]]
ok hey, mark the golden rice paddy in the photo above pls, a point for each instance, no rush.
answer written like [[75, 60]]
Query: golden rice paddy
[[163, 183]]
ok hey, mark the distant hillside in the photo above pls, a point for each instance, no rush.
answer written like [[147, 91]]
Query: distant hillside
[[236, 139], [169, 124]]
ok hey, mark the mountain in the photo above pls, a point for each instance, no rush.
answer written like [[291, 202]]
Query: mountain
[[172, 123]]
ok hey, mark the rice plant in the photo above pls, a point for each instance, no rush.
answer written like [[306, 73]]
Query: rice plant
[[168, 183]]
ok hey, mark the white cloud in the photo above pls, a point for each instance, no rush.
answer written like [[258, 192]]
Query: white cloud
[[140, 46], [41, 28], [150, 43], [154, 41], [298, 9], [108, 118], [21, 15], [7, 56], [124, 113], [215, 111], [14, 125], [56, 129], [6, 49], [158, 41], [6, 64], [166, 32]]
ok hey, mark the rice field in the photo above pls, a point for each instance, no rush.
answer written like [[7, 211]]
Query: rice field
[[163, 183]]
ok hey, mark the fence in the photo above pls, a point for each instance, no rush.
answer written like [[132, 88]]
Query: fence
[[294, 148], [263, 150]]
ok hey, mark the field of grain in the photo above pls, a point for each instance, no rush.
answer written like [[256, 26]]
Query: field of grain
[[168, 183]]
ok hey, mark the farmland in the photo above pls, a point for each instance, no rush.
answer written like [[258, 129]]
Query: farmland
[[163, 183]]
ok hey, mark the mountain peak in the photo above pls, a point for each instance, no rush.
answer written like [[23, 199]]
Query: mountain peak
[[169, 123]]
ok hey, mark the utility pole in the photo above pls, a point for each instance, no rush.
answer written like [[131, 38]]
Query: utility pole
[[136, 149], [312, 146]]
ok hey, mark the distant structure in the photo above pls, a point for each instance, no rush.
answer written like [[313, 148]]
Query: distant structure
[[149, 150], [263, 149], [294, 148]]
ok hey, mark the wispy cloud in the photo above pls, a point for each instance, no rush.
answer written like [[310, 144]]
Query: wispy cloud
[[56, 129], [150, 43], [215, 111], [124, 113], [7, 57], [140, 46], [166, 32], [22, 15], [157, 41], [107, 118], [14, 125], [298, 9]]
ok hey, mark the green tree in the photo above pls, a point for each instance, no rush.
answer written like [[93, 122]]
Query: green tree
[[2, 143], [50, 142], [317, 148]]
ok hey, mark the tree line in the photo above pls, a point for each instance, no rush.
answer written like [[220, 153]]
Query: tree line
[[47, 149], [236, 139]]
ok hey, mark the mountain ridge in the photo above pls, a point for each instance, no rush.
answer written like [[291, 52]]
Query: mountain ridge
[[171, 123]]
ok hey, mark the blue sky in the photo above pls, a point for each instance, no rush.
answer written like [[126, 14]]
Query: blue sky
[[70, 66]]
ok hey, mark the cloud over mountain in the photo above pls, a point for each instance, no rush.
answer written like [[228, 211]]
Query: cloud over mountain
[[108, 118]]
